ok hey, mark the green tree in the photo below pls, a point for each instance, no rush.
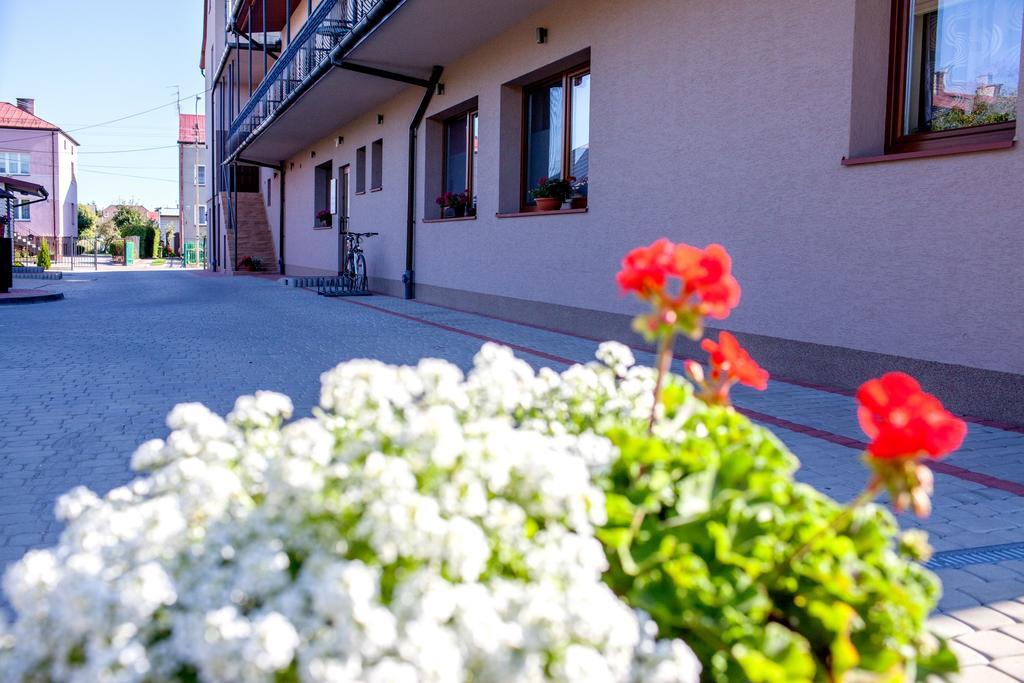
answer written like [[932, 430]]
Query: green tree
[[43, 258], [87, 220], [129, 221]]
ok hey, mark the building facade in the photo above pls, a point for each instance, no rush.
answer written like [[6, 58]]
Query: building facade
[[37, 151], [857, 158], [193, 168]]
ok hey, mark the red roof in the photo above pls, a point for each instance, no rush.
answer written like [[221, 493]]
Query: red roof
[[12, 117], [187, 129]]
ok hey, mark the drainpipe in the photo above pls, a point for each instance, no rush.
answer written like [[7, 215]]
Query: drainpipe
[[409, 276], [280, 225], [56, 190]]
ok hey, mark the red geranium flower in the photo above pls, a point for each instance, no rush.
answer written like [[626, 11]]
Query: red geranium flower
[[706, 274], [730, 363], [646, 269], [904, 421]]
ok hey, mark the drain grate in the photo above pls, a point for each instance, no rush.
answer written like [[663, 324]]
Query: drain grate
[[988, 554]]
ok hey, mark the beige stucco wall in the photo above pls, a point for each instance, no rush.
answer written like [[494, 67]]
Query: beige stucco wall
[[715, 121]]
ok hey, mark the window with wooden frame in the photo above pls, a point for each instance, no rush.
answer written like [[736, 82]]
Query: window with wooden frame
[[556, 132], [461, 146], [954, 73]]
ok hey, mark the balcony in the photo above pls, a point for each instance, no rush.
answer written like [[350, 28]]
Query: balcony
[[304, 99], [304, 57]]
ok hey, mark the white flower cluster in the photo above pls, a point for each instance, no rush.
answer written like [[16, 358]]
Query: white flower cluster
[[422, 526]]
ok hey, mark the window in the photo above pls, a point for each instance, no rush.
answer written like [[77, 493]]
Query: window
[[954, 73], [361, 170], [461, 146], [268, 191], [557, 131], [201, 214], [14, 163], [22, 212], [200, 174], [377, 166], [322, 190]]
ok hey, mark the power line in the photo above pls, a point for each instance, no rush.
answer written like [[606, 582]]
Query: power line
[[107, 123], [140, 177], [137, 168], [138, 149]]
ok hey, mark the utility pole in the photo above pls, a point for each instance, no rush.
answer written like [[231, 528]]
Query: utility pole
[[195, 140]]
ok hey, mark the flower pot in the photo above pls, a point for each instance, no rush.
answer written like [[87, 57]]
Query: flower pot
[[450, 212], [578, 203], [548, 203]]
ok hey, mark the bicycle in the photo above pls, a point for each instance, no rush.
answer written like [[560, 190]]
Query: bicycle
[[354, 276]]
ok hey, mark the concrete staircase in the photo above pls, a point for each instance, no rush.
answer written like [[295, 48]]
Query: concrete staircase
[[254, 237]]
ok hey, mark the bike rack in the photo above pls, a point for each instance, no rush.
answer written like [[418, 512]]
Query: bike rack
[[338, 286]]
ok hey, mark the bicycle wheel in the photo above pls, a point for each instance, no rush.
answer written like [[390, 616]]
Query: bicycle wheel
[[360, 270], [348, 281]]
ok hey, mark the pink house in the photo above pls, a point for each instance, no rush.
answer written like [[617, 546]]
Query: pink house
[[35, 150], [859, 159]]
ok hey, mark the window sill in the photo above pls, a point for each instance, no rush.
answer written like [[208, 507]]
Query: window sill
[[523, 214], [448, 220], [939, 152], [376, 189], [359, 192], [323, 227]]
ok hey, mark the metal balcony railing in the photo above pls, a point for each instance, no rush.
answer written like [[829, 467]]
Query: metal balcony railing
[[329, 23]]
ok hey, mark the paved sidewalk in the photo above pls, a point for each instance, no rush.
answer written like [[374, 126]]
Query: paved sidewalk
[[92, 376]]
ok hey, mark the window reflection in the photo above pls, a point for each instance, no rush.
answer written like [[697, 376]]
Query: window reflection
[[963, 66]]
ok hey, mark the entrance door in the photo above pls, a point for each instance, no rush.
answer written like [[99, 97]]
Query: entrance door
[[343, 194]]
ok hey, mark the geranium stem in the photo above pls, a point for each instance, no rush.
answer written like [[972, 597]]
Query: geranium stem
[[866, 496], [664, 361]]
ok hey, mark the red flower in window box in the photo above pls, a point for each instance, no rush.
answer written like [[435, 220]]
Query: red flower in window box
[[904, 421]]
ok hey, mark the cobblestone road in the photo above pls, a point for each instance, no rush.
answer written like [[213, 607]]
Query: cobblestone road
[[87, 379]]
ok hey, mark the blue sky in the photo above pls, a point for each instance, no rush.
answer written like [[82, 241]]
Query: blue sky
[[90, 61]]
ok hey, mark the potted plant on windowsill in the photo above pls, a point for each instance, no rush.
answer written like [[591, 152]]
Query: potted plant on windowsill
[[453, 204], [578, 198], [550, 194], [323, 218]]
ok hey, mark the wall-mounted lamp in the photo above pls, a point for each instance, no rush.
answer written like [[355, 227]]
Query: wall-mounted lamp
[[542, 35], [291, 166], [340, 141], [312, 154], [440, 88], [380, 119]]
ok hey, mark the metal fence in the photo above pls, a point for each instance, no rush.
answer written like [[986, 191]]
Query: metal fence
[[330, 22], [74, 253]]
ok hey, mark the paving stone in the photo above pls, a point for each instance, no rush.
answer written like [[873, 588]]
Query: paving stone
[[1014, 630], [992, 644], [983, 674], [965, 655], [947, 626], [1013, 666], [982, 618], [954, 601], [993, 572], [1010, 608], [996, 590]]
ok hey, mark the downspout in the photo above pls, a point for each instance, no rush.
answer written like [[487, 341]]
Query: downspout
[[280, 225], [409, 277], [56, 190]]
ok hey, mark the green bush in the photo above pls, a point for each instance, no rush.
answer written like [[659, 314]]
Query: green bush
[[115, 248], [43, 257], [151, 241], [705, 531]]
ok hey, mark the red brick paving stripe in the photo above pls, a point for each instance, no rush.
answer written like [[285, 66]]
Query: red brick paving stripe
[[838, 439]]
